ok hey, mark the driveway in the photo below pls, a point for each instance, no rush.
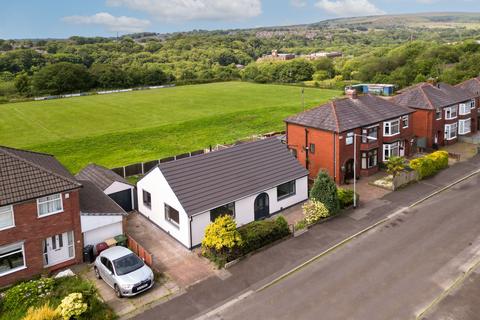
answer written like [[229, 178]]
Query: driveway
[[169, 256]]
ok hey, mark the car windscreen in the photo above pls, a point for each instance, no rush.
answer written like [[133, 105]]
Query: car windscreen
[[127, 264]]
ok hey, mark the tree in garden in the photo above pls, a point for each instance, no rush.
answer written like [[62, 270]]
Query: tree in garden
[[395, 165], [324, 190], [221, 235]]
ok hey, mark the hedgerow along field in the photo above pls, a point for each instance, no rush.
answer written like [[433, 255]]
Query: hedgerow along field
[[125, 128]]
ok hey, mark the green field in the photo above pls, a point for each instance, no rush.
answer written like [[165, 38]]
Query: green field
[[124, 128]]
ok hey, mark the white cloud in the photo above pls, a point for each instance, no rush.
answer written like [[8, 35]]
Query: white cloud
[[112, 23], [298, 3], [349, 8], [174, 10]]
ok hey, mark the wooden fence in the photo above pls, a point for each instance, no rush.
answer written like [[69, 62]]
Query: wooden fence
[[140, 251]]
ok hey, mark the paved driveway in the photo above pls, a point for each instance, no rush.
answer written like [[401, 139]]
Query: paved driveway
[[169, 256]]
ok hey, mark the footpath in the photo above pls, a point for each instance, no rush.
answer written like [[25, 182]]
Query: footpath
[[262, 268]]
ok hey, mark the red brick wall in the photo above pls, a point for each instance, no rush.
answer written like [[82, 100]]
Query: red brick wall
[[33, 230]]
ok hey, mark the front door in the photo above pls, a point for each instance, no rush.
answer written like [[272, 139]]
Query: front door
[[262, 206], [58, 248], [348, 170], [401, 148]]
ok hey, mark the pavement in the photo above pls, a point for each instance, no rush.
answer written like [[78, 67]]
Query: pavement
[[264, 267]]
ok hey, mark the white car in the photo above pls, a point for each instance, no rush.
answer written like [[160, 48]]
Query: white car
[[124, 271]]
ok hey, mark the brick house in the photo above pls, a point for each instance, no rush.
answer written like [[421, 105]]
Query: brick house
[[322, 138], [442, 112], [39, 215], [473, 87]]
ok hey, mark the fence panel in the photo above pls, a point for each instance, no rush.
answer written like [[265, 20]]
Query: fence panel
[[140, 251], [133, 169]]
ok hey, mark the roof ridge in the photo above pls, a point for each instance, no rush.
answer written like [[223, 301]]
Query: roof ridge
[[74, 181], [100, 190], [29, 151], [332, 103]]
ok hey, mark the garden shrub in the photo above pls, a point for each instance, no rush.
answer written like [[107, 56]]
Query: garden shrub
[[439, 158], [324, 190], [258, 234], [72, 306], [345, 197], [395, 165], [27, 293], [301, 224], [430, 164], [44, 312], [314, 211]]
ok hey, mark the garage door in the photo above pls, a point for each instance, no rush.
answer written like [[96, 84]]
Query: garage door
[[123, 198], [103, 233]]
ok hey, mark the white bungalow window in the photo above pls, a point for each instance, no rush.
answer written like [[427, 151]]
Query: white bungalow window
[[7, 219], [451, 112], [172, 215], [465, 108], [12, 258], [391, 150], [49, 205], [450, 131], [464, 126], [391, 128]]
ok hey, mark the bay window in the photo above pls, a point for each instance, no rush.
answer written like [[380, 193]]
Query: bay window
[[12, 258], [450, 131], [391, 128], [451, 112], [464, 126], [369, 159], [465, 108], [391, 150], [6, 217], [49, 205]]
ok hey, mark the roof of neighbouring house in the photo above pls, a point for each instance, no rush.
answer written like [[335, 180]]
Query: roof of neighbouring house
[[94, 202], [214, 179], [26, 175], [100, 176], [349, 113], [430, 96], [471, 85]]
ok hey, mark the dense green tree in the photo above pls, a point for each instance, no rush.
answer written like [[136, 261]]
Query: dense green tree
[[62, 77], [324, 190], [23, 84]]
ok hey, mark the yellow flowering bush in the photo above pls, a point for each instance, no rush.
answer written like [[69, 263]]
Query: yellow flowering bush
[[44, 312], [72, 306], [314, 211]]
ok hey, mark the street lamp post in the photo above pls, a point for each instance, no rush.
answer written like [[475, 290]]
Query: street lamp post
[[355, 165]]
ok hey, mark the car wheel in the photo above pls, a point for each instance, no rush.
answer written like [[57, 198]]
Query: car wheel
[[118, 293], [97, 274]]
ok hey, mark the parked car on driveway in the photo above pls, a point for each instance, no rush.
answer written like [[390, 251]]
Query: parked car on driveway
[[124, 271]]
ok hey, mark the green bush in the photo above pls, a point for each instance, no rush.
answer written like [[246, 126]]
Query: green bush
[[27, 294], [258, 234], [345, 197], [324, 190], [302, 224], [314, 211], [430, 164]]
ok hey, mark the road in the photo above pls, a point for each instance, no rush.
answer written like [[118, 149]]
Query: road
[[395, 271]]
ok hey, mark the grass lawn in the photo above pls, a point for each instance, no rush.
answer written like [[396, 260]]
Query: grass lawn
[[120, 129]]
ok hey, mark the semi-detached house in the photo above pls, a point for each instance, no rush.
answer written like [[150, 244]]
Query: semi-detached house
[[322, 138], [39, 215], [473, 87]]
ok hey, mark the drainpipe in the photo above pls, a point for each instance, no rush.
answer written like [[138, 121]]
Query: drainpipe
[[306, 149], [191, 244], [334, 158]]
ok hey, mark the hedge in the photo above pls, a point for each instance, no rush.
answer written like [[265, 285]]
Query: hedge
[[430, 164], [258, 234]]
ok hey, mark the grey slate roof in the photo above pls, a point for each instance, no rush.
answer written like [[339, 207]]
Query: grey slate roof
[[100, 176], [210, 180], [346, 114], [26, 175], [429, 96], [471, 85], [94, 202]]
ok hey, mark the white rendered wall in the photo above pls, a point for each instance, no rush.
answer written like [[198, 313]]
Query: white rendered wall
[[117, 187]]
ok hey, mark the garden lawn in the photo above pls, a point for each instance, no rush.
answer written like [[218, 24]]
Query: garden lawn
[[124, 128]]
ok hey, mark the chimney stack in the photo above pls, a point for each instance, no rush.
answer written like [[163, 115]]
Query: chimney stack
[[351, 93], [433, 81]]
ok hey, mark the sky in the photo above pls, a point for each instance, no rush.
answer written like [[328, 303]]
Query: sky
[[64, 18]]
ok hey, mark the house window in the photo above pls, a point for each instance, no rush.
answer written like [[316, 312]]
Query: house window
[[451, 112], [71, 249], [371, 132], [464, 126], [390, 150], [228, 209], [405, 122], [286, 190], [312, 148], [450, 131], [349, 139], [438, 114], [472, 104], [147, 198], [12, 258], [391, 128], [369, 159], [49, 205], [6, 217], [172, 215], [465, 108], [294, 152]]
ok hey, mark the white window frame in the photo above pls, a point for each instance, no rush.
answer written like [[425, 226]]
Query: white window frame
[[389, 125], [405, 122], [461, 126], [40, 202], [472, 104], [438, 114], [349, 138], [8, 209], [390, 147], [22, 249], [464, 108], [449, 112], [167, 216], [449, 131]]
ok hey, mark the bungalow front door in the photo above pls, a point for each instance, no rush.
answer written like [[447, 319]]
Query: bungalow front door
[[261, 206]]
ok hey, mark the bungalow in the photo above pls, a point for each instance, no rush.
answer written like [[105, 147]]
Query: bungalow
[[323, 138], [442, 112], [113, 185], [473, 87], [249, 181], [39, 215]]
